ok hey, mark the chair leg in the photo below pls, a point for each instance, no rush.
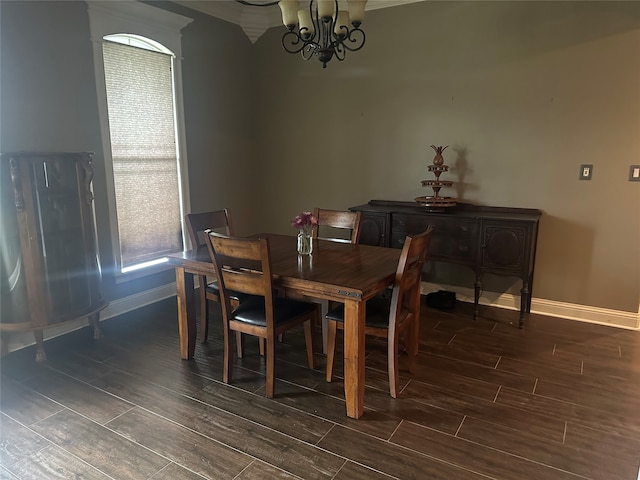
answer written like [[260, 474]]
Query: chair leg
[[239, 344], [392, 364], [261, 342], [413, 342], [228, 355], [204, 309], [271, 354], [331, 347], [324, 305], [308, 339]]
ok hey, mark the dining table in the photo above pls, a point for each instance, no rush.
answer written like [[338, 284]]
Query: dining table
[[339, 272]]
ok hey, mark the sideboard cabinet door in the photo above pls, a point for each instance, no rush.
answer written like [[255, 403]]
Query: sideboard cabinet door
[[508, 248], [504, 247], [374, 229]]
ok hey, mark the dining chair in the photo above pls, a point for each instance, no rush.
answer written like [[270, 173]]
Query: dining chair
[[244, 265], [392, 317], [197, 223], [332, 221]]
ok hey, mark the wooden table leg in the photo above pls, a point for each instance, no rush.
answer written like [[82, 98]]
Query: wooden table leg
[[186, 313], [354, 313]]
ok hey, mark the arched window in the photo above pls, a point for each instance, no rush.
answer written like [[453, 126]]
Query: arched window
[[142, 134]]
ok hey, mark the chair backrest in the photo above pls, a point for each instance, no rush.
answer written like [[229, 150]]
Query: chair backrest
[[197, 223], [241, 265], [338, 219], [405, 299]]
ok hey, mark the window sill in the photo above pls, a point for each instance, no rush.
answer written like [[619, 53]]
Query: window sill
[[142, 272]]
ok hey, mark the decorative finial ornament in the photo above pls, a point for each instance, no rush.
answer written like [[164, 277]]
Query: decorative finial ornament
[[436, 203], [438, 159]]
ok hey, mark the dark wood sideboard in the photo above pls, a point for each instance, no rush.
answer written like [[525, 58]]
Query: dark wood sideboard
[[497, 240]]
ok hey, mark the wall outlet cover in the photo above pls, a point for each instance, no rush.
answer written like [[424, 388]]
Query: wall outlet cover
[[586, 170], [634, 173]]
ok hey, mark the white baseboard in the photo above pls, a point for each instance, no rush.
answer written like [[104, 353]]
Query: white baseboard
[[138, 300], [582, 313], [18, 340]]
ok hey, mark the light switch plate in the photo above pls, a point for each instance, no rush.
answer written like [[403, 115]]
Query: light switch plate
[[586, 170], [634, 173]]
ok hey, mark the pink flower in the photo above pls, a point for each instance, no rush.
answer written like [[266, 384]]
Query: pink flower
[[304, 221]]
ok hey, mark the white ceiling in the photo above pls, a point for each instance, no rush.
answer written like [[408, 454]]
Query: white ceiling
[[256, 20]]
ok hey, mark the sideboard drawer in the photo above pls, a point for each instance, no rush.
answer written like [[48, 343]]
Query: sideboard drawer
[[454, 240]]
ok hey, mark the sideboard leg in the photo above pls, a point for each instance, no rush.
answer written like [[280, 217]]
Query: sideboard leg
[[524, 303], [477, 286]]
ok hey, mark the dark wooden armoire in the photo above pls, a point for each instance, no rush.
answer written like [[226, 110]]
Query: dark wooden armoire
[[49, 264]]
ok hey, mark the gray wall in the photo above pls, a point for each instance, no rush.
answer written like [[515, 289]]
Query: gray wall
[[524, 92], [49, 103]]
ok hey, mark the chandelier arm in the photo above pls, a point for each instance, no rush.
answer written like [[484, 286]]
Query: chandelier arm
[[339, 51], [292, 42], [355, 39], [309, 50]]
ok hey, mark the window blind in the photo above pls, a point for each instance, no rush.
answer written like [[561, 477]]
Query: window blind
[[140, 103]]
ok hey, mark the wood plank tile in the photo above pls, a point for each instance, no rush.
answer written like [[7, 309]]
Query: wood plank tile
[[265, 412], [98, 446], [23, 404], [176, 472], [563, 457], [472, 456], [454, 383], [537, 424], [391, 459], [280, 450], [447, 366], [378, 424], [53, 463], [618, 397], [78, 366], [353, 471], [17, 441], [79, 396], [167, 370], [406, 407], [21, 365], [536, 370], [520, 348], [599, 419], [263, 471], [278, 437], [628, 369], [603, 442], [184, 447]]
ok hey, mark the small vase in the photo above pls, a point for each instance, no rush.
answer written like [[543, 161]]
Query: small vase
[[305, 243]]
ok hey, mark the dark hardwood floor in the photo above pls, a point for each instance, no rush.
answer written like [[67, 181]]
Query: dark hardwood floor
[[557, 400]]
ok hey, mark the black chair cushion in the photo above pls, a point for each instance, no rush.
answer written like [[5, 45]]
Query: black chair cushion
[[377, 313], [252, 310], [237, 296]]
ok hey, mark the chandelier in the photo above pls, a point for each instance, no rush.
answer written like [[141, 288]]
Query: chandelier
[[321, 29]]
